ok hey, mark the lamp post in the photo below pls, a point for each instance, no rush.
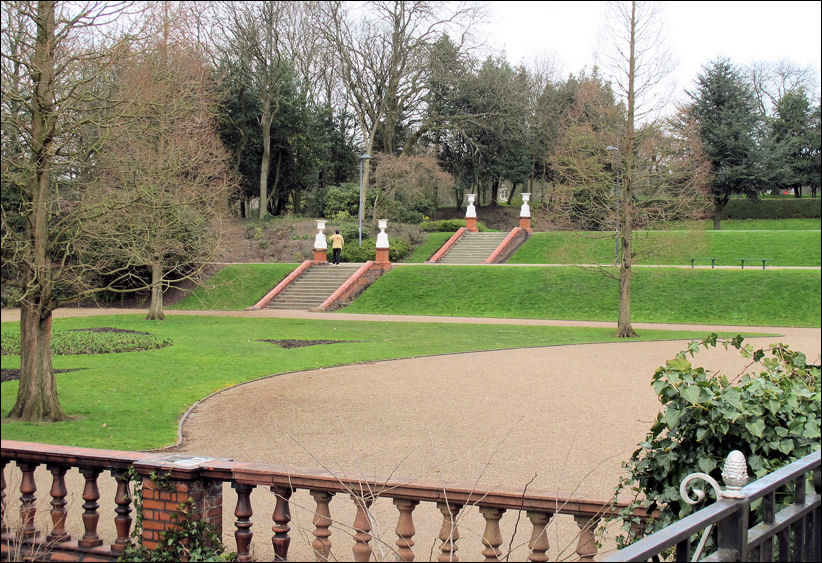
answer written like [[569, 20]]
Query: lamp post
[[363, 158], [615, 151]]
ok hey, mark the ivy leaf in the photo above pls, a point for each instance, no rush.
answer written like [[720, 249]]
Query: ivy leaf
[[706, 464], [755, 427], [672, 416], [732, 396], [691, 394], [786, 446], [679, 364]]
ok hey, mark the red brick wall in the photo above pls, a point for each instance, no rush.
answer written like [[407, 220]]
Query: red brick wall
[[159, 506]]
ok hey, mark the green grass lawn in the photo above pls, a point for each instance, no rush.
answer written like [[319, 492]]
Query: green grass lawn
[[783, 248], [750, 224], [235, 287], [134, 400], [427, 249], [672, 295]]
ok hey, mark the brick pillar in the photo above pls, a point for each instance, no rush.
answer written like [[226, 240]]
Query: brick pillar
[[161, 500], [525, 224], [321, 256], [382, 255], [471, 224]]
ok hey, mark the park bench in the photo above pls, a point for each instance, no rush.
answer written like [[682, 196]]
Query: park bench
[[763, 260], [713, 261]]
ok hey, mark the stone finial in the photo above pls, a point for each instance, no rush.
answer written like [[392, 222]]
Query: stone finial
[[734, 474], [471, 211], [525, 209], [382, 238], [319, 240]]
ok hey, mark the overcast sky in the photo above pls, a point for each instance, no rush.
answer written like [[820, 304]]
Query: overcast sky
[[698, 32]]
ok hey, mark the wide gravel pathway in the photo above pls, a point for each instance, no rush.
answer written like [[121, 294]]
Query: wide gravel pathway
[[561, 419]]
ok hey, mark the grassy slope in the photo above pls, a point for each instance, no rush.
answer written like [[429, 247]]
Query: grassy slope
[[784, 248], [427, 249], [235, 287], [737, 297], [134, 400], [752, 225]]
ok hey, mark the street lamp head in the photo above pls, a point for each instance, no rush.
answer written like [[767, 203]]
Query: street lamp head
[[365, 157]]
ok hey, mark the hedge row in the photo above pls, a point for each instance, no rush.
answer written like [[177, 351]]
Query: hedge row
[[777, 208]]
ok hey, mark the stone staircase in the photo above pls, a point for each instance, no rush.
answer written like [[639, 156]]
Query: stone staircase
[[313, 287], [473, 248]]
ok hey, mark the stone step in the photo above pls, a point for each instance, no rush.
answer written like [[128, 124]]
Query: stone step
[[313, 287]]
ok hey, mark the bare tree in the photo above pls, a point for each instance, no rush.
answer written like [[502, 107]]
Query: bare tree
[[165, 167], [381, 59], [53, 58], [251, 38], [639, 62], [771, 81]]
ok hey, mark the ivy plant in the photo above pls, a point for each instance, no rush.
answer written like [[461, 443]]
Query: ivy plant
[[770, 412]]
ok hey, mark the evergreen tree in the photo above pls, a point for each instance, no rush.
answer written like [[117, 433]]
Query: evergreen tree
[[730, 128], [795, 137]]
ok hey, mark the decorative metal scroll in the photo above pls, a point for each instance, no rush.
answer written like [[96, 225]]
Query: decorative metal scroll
[[735, 476]]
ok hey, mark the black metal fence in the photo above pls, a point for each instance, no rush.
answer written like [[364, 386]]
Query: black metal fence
[[792, 533]]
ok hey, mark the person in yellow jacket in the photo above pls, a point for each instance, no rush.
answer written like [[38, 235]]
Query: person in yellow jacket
[[336, 244]]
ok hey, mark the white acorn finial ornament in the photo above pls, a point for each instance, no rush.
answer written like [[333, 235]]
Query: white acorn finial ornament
[[734, 474]]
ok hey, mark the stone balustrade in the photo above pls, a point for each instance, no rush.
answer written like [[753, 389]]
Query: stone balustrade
[[204, 480]]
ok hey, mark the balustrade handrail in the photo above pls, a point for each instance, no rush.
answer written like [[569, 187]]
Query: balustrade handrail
[[201, 476], [679, 533], [307, 479]]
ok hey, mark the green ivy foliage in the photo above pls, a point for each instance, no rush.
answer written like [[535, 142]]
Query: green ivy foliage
[[191, 539], [773, 417]]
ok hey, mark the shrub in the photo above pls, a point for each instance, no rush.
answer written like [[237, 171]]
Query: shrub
[[342, 198], [773, 208], [773, 418], [352, 252], [448, 226]]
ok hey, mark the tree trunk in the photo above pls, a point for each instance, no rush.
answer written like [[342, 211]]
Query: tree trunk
[[265, 164], [37, 394], [155, 311], [37, 391], [718, 207], [624, 328]]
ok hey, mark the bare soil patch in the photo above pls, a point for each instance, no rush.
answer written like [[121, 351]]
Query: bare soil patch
[[108, 329], [290, 343]]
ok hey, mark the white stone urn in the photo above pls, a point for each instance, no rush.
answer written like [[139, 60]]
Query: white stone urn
[[525, 210], [471, 211], [319, 240], [382, 238]]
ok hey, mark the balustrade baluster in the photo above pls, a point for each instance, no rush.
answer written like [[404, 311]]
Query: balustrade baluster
[[282, 516], [491, 537], [587, 545], [449, 534], [3, 528], [539, 538], [405, 528], [91, 494], [243, 513], [28, 501], [58, 503], [123, 519], [322, 521], [362, 525]]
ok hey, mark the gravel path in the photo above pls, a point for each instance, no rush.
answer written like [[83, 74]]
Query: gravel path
[[560, 418]]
